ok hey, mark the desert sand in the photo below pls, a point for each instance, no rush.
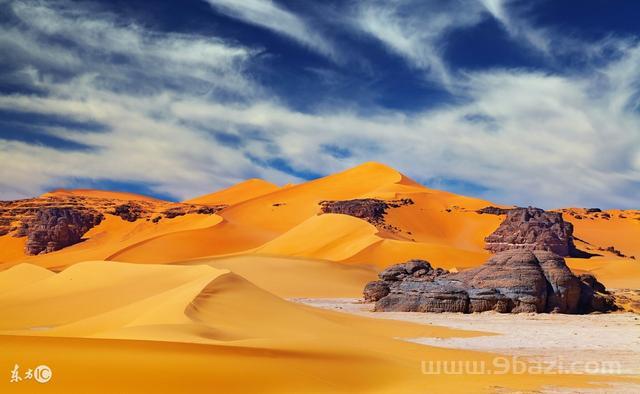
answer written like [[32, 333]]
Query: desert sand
[[609, 339], [165, 328], [199, 300]]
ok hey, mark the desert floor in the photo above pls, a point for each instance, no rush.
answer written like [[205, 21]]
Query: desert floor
[[584, 344]]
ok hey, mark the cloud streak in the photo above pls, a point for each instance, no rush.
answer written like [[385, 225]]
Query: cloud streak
[[271, 16], [168, 102], [415, 30]]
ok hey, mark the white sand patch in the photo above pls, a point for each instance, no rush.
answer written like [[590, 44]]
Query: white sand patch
[[591, 344]]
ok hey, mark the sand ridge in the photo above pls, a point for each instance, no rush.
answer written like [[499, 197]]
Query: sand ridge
[[157, 325]]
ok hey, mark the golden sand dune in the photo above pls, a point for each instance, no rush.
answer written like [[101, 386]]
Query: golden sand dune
[[108, 238], [22, 275], [440, 226], [261, 218], [621, 230], [296, 277], [242, 191], [176, 328]]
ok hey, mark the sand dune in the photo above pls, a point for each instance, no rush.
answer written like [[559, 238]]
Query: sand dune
[[22, 275], [441, 226], [263, 219], [296, 277], [110, 237], [243, 191], [180, 327]]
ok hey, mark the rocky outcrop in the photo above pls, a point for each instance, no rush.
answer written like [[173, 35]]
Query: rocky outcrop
[[55, 228], [510, 281], [533, 229], [129, 212], [56, 221], [370, 209], [491, 210]]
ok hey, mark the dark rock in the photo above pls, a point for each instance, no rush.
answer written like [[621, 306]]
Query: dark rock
[[174, 212], [613, 250], [491, 210], [533, 229], [369, 209], [55, 228], [129, 212], [510, 281], [415, 268], [426, 297], [563, 288], [593, 210], [594, 297], [375, 290], [412, 266]]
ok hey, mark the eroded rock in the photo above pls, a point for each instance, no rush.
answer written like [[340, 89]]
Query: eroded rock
[[55, 228], [510, 281], [533, 229], [370, 209]]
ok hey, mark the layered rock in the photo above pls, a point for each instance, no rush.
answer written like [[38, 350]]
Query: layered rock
[[369, 209], [52, 229], [510, 281], [491, 210], [533, 229]]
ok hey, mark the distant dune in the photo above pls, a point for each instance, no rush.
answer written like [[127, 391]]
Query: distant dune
[[242, 191], [262, 218]]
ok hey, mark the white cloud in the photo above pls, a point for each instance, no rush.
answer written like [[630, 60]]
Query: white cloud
[[529, 137], [519, 27], [416, 30], [267, 14], [115, 50]]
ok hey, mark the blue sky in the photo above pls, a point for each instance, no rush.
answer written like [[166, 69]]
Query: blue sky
[[520, 102]]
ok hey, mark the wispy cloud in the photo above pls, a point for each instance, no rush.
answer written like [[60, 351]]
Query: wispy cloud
[[518, 27], [271, 16], [415, 30], [525, 137]]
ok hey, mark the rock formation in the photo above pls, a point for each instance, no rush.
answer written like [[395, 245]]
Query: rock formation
[[533, 229], [52, 229], [491, 210], [510, 281], [54, 222], [129, 212], [370, 209]]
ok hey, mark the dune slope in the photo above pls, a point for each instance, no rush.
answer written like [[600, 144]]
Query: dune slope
[[171, 328]]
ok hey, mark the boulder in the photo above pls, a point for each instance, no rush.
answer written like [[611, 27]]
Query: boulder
[[375, 290], [510, 281], [532, 229]]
